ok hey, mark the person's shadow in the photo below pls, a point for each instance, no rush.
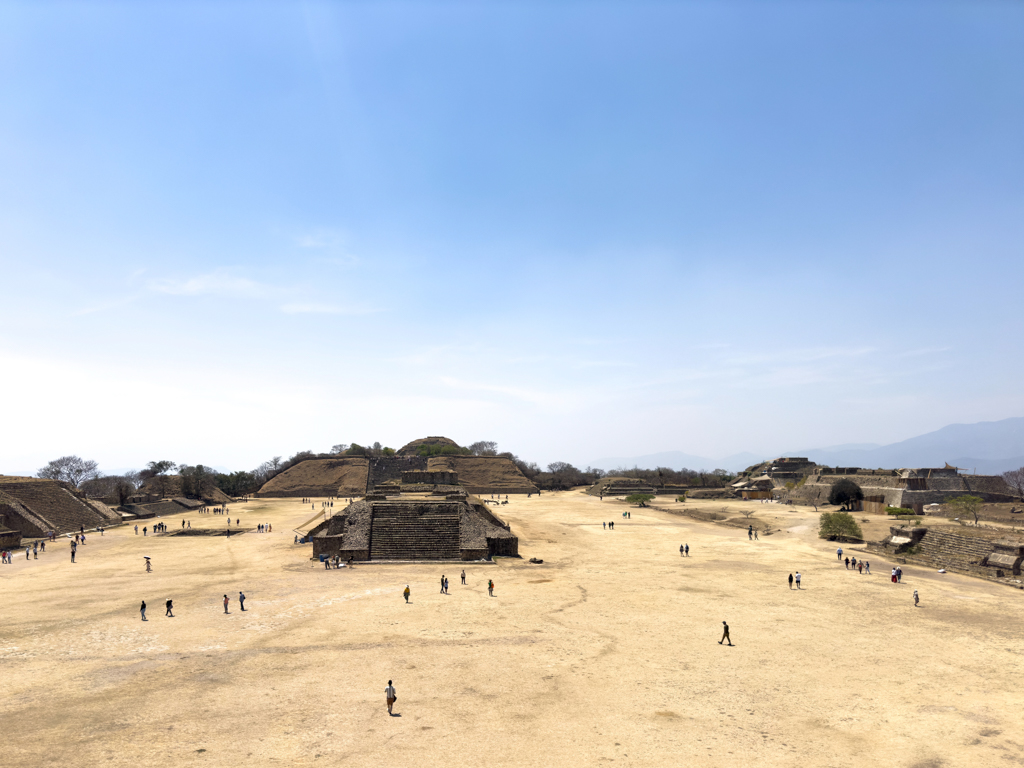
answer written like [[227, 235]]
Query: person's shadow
[[394, 714]]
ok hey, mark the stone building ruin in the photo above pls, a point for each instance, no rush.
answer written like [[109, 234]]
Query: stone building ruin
[[427, 515], [33, 507], [355, 476]]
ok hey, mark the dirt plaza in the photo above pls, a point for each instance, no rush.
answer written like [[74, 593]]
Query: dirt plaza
[[607, 653]]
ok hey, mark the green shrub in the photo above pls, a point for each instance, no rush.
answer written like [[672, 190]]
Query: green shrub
[[640, 499], [835, 525], [441, 450], [681, 497], [965, 505], [898, 511]]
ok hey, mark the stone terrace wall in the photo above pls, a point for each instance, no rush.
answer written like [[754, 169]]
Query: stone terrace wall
[[17, 517], [9, 539], [54, 505], [485, 474], [390, 468], [895, 492], [963, 550]]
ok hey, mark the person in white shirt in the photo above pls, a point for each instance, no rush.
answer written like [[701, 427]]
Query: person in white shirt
[[390, 694]]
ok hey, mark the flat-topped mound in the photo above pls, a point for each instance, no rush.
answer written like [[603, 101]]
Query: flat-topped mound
[[413, 448], [484, 474], [359, 475], [320, 477]]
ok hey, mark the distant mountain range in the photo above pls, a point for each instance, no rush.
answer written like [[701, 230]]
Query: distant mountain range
[[988, 447]]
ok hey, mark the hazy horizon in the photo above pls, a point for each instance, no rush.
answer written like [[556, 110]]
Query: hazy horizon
[[237, 231]]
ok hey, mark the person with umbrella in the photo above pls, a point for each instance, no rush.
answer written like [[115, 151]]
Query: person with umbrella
[[149, 565]]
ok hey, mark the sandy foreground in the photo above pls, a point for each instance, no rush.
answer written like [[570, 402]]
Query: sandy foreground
[[606, 653]]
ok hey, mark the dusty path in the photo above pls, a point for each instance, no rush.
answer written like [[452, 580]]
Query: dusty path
[[608, 652]]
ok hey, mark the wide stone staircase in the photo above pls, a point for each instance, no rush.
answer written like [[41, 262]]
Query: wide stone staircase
[[60, 509], [950, 551], [413, 532]]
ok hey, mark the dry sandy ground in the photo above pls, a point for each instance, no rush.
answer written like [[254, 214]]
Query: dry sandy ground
[[606, 653]]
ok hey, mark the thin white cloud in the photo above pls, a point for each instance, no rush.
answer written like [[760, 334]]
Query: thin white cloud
[[313, 308], [219, 283], [105, 306]]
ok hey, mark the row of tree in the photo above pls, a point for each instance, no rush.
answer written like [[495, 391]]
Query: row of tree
[[198, 480]]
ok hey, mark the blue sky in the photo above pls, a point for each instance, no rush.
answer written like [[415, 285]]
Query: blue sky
[[231, 231]]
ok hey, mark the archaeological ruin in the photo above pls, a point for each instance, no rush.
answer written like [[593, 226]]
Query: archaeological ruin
[[801, 481], [421, 515], [355, 476], [981, 552], [34, 507]]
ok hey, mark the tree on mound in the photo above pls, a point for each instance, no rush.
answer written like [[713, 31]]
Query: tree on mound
[[844, 491], [197, 481], [966, 505], [69, 469], [640, 499], [838, 525]]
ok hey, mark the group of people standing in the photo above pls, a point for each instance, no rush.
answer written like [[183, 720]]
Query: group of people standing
[[861, 566], [169, 605], [407, 592]]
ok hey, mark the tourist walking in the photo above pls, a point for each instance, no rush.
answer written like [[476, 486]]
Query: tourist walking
[[791, 581], [755, 535], [490, 588], [681, 550], [847, 561], [686, 549], [725, 634], [442, 583], [406, 593], [893, 575], [798, 580], [839, 554], [241, 600], [390, 695], [226, 601], [750, 532], [916, 599], [463, 575], [899, 575], [149, 565], [142, 610], [867, 567], [170, 612]]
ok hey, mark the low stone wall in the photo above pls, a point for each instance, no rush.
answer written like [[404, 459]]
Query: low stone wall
[[10, 539], [483, 490], [966, 551], [507, 546]]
